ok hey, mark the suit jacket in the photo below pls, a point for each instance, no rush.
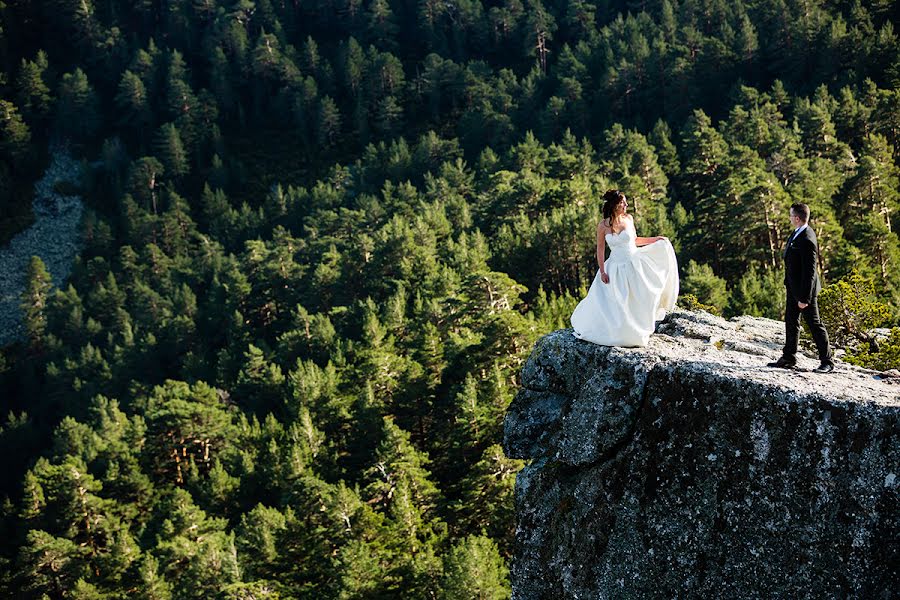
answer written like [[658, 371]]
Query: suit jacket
[[801, 274]]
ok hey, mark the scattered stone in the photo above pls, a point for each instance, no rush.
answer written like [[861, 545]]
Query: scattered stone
[[54, 237]]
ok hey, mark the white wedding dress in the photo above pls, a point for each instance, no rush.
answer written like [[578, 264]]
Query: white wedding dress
[[643, 286]]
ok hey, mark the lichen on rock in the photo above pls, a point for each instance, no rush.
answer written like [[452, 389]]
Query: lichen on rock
[[690, 469]]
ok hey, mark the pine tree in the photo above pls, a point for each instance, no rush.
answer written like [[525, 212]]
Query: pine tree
[[759, 293], [850, 309], [388, 116], [14, 133], [50, 565], [487, 499], [153, 586], [382, 25], [260, 384], [702, 283], [635, 164], [329, 122], [258, 542], [184, 424], [32, 92], [661, 139], [34, 303], [474, 569], [537, 32], [194, 548], [704, 169], [399, 464], [78, 108], [169, 149], [134, 105], [874, 188]]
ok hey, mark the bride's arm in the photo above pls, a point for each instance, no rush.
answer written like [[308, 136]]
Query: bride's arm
[[601, 251], [643, 241]]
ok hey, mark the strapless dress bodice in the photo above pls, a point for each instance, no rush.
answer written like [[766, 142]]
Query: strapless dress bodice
[[622, 243]]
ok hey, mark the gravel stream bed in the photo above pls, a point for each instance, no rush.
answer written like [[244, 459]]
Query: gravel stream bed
[[54, 236]]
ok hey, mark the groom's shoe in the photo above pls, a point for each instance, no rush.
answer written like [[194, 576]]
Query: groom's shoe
[[783, 363], [825, 367]]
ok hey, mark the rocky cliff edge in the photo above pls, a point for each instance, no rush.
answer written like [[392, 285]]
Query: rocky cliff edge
[[689, 469]]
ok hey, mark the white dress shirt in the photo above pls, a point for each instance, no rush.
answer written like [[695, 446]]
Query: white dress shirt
[[797, 231]]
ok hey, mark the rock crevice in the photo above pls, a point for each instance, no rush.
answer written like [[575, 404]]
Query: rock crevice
[[689, 469]]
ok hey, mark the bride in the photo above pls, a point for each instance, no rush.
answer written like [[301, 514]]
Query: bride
[[635, 287]]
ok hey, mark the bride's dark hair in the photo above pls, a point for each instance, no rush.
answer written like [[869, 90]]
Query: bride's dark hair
[[611, 201]]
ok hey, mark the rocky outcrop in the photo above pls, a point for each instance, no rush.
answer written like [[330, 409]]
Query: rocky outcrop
[[689, 469], [54, 236]]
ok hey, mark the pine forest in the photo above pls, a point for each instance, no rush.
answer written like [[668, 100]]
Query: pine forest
[[320, 238]]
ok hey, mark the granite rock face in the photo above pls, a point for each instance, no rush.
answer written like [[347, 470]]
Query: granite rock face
[[689, 469]]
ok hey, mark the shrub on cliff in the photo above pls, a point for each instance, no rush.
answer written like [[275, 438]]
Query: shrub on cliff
[[886, 357], [851, 311]]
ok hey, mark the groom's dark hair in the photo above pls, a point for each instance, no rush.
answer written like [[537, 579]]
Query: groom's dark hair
[[801, 210]]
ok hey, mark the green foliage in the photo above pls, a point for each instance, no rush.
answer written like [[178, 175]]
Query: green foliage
[[34, 302], [759, 293], [186, 425], [886, 357], [33, 93], [709, 289], [690, 302], [170, 150], [850, 309], [14, 133], [78, 108], [319, 245], [474, 569]]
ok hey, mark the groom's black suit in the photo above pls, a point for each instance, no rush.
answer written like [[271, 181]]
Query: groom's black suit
[[801, 278]]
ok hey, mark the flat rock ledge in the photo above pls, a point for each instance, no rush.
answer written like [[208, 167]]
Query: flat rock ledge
[[689, 469]]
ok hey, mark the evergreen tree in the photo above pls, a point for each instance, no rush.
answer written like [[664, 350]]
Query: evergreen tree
[[260, 384], [851, 309], [874, 188], [474, 569], [195, 552], [50, 565], [14, 133], [257, 541], [33, 93], [153, 586], [703, 171], [185, 424], [170, 151], [34, 303], [78, 107], [133, 103], [758, 293], [329, 122], [702, 283], [382, 25], [487, 500], [144, 180]]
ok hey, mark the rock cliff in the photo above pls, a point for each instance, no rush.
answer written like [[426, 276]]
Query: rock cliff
[[689, 469]]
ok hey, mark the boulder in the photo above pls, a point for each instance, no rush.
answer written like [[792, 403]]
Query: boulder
[[689, 469]]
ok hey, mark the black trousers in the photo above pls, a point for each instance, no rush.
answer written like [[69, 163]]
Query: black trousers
[[810, 314]]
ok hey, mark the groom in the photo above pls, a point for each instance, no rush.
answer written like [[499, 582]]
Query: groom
[[801, 279]]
